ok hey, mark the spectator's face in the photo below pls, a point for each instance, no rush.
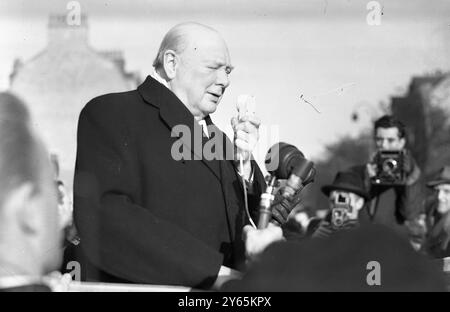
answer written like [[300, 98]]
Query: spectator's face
[[388, 139], [443, 196], [48, 234], [202, 73], [353, 201]]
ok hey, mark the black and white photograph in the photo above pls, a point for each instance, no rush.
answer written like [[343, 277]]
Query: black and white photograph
[[214, 148]]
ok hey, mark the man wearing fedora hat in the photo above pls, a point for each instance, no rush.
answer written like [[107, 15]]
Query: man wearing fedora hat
[[438, 216], [347, 196]]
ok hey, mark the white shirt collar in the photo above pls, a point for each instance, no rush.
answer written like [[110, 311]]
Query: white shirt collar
[[154, 74], [204, 126]]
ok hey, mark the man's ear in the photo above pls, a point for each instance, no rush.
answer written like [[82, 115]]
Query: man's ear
[[170, 64], [20, 207], [359, 203], [402, 143]]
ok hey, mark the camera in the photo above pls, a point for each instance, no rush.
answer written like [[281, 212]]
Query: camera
[[340, 209], [389, 168]]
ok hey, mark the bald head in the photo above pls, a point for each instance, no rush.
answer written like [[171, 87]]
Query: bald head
[[179, 37]]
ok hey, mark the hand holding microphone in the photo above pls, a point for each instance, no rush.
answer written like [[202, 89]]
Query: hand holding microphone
[[245, 127]]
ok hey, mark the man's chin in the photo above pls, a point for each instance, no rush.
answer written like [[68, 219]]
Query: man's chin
[[443, 208], [210, 107]]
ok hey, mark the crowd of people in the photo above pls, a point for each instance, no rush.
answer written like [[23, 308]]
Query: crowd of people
[[356, 197], [141, 215], [392, 222]]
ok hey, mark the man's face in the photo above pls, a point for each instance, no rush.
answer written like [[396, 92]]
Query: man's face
[[443, 196], [49, 236], [202, 73], [388, 139], [352, 201]]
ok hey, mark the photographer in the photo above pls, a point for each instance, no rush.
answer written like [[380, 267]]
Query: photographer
[[391, 178], [347, 196]]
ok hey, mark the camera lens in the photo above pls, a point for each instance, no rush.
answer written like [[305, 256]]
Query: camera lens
[[390, 165]]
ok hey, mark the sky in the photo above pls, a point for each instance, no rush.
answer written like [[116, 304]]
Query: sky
[[310, 64]]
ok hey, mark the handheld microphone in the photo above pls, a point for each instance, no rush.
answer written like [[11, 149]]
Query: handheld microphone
[[246, 106], [265, 211], [285, 161]]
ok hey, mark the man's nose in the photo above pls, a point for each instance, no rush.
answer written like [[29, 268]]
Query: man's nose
[[223, 79], [441, 196], [384, 145]]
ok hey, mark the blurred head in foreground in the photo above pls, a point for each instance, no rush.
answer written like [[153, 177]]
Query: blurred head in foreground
[[29, 232]]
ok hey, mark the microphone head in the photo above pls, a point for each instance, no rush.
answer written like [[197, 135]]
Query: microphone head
[[284, 159], [246, 105]]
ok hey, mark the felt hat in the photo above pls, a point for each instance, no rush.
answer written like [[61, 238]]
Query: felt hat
[[443, 177], [347, 181]]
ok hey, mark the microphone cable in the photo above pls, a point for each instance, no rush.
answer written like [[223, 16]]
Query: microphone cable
[[247, 211]]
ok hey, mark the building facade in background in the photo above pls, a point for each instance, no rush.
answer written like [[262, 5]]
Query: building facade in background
[[425, 109], [57, 83]]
